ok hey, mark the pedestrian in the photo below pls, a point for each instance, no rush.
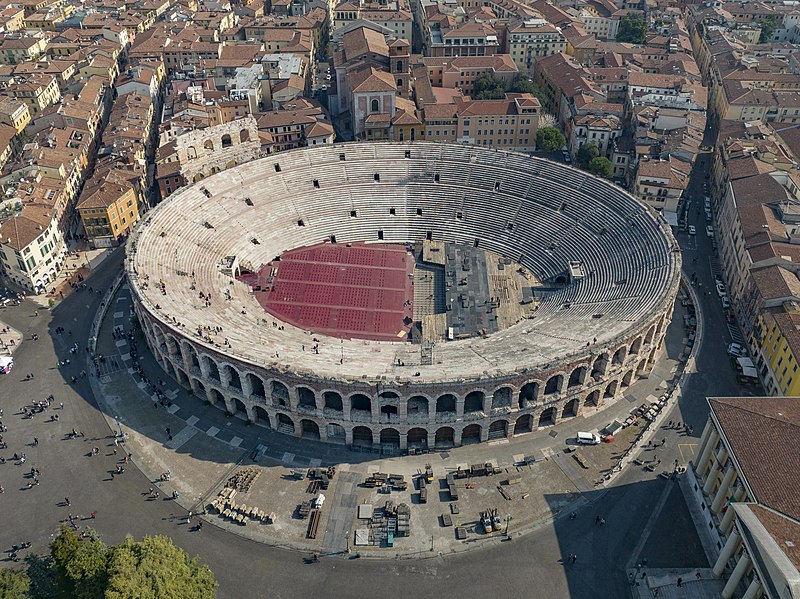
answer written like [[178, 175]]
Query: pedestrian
[[663, 441], [35, 442], [150, 491], [574, 558], [597, 520], [602, 521], [680, 582], [66, 500], [92, 516]]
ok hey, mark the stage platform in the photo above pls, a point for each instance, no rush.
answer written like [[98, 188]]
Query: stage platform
[[353, 290]]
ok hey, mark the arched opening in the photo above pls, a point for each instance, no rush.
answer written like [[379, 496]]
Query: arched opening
[[611, 390], [471, 434], [593, 399], [388, 396], [239, 407], [306, 398], [648, 339], [553, 385], [528, 394], [194, 362], [213, 370], [446, 403], [418, 438], [619, 356], [226, 141], [256, 386], [285, 424], [636, 346], [362, 436], [642, 368], [444, 437], [280, 394], [473, 402], [390, 438], [200, 389], [374, 106], [333, 401], [191, 153], [417, 408], [571, 408], [233, 378], [309, 429], [501, 398], [600, 367], [577, 377], [336, 433], [261, 416], [524, 424], [197, 176], [627, 379], [360, 402], [208, 145], [498, 429], [244, 135], [215, 397], [548, 417]]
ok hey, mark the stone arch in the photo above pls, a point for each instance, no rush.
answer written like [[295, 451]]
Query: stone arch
[[279, 393], [529, 394], [417, 438], [194, 361], [648, 338], [234, 380], [191, 153], [571, 408], [390, 437], [524, 424], [180, 376], [333, 401], [197, 177], [362, 436], [256, 386], [285, 424], [474, 401], [215, 397], [418, 407], [600, 367], [230, 164], [627, 379], [199, 389], [360, 402], [577, 377], [501, 398], [309, 429], [388, 396], [306, 398], [446, 403], [554, 384], [388, 412], [611, 390], [335, 433], [636, 346], [244, 135], [471, 434], [261, 416], [226, 141], [238, 406], [619, 355], [208, 145], [642, 368], [593, 399], [444, 437], [547, 417], [213, 369], [498, 429]]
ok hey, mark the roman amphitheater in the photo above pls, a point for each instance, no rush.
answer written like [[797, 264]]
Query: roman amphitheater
[[404, 295]]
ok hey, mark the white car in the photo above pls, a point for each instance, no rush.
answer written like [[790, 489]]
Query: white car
[[726, 303], [709, 231], [722, 291], [692, 230], [737, 350]]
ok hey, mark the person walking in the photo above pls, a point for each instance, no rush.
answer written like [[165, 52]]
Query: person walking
[[66, 500]]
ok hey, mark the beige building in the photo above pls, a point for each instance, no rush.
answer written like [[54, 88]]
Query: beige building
[[531, 39], [32, 248], [38, 91], [460, 72], [660, 184], [741, 474]]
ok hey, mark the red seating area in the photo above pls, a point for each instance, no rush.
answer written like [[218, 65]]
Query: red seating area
[[356, 290]]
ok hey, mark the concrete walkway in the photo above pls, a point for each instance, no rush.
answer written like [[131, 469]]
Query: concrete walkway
[[204, 445], [10, 339]]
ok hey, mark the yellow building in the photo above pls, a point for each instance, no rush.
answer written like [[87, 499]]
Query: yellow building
[[108, 211], [14, 50], [779, 348], [13, 18], [38, 91], [15, 113]]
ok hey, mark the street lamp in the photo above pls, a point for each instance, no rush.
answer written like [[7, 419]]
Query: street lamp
[[508, 520]]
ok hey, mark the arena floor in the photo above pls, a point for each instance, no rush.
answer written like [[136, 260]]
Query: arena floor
[[352, 290]]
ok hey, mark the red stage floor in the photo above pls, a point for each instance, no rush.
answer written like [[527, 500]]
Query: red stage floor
[[356, 290]]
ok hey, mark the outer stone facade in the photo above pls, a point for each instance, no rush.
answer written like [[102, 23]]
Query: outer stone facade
[[591, 337]]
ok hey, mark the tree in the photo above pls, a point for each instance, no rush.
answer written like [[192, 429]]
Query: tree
[[489, 87], [601, 166], [550, 139], [586, 153], [85, 568], [632, 29], [14, 584], [524, 85], [768, 27]]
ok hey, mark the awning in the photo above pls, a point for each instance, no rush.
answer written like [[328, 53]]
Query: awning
[[750, 372], [746, 363], [670, 217]]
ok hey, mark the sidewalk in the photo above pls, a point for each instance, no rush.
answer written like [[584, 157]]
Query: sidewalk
[[10, 339], [205, 446]]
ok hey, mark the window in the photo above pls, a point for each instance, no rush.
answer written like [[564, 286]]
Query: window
[[374, 106]]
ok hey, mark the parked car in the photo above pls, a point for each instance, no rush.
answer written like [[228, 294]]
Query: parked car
[[721, 290], [709, 231], [737, 350], [692, 230], [726, 303], [708, 216], [566, 156], [718, 279]]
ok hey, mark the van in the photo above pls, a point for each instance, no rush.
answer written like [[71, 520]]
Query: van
[[587, 438]]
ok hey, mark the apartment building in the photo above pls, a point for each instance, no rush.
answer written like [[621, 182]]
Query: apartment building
[[32, 248], [531, 39], [462, 71]]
